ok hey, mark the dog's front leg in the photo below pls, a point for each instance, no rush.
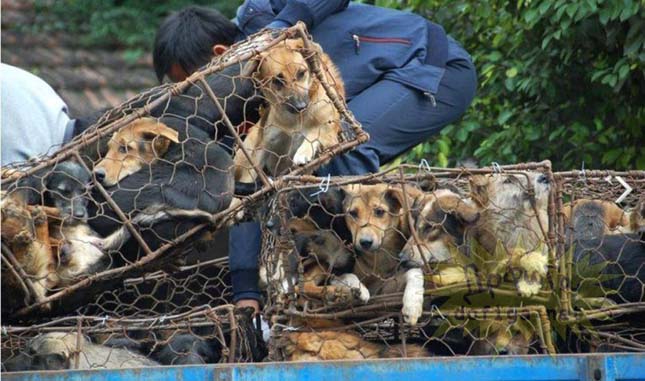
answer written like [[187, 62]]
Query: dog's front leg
[[353, 283], [413, 296], [316, 139], [244, 171]]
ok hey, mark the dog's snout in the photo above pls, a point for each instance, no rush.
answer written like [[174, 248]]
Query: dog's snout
[[298, 104], [366, 243], [65, 254], [543, 179], [100, 174], [503, 351], [79, 213]]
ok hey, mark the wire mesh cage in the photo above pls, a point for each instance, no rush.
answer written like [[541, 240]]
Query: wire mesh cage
[[451, 261], [602, 248], [203, 335], [123, 230], [136, 191]]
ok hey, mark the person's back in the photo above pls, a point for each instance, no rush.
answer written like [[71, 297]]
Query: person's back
[[34, 118]]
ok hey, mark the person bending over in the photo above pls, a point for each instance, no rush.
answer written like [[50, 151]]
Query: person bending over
[[405, 80]]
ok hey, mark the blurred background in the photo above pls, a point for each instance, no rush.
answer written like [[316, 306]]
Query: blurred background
[[559, 80]]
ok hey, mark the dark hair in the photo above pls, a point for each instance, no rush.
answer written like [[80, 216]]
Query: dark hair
[[187, 38]]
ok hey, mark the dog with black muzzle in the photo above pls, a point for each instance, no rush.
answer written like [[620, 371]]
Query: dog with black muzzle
[[300, 119]]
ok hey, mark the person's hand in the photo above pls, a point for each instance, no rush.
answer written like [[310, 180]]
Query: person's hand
[[249, 303]]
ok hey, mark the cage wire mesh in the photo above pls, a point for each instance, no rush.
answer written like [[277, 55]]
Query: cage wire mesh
[[421, 261], [601, 242], [128, 221]]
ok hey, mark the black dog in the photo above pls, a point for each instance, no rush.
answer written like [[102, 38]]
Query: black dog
[[193, 176], [63, 186], [187, 349], [324, 209]]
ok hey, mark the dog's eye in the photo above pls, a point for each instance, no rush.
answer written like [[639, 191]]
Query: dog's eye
[[353, 213], [277, 83], [123, 149], [379, 212], [301, 74], [509, 179]]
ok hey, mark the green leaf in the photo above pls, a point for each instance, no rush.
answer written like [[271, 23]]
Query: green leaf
[[512, 72], [504, 116], [495, 56]]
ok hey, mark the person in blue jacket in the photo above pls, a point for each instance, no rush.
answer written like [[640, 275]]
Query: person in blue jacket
[[405, 80]]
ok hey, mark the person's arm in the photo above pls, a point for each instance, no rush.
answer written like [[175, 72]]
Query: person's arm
[[311, 12]]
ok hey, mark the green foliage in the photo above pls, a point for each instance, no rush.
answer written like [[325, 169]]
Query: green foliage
[[557, 79], [124, 23]]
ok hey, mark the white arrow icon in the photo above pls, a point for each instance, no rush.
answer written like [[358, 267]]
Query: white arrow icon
[[627, 191]]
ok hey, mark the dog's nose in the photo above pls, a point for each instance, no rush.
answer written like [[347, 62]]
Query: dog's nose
[[503, 351], [99, 173], [65, 254], [366, 243], [79, 213], [543, 179]]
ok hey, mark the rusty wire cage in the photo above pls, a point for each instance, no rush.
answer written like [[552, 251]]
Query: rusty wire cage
[[129, 220], [601, 248], [482, 242], [206, 335]]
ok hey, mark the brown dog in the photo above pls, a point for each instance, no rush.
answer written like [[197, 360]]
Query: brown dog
[[594, 218], [300, 120], [514, 219], [379, 226], [335, 345], [134, 146], [26, 233]]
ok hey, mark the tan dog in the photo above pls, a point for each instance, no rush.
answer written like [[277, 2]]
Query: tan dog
[[336, 345], [379, 226], [300, 120], [25, 232], [444, 222], [441, 221], [594, 218], [514, 218], [134, 146]]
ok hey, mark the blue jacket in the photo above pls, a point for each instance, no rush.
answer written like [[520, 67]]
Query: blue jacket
[[366, 42]]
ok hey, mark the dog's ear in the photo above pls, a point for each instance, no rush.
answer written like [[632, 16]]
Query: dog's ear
[[294, 44], [465, 212], [250, 67], [161, 136], [394, 198], [479, 189]]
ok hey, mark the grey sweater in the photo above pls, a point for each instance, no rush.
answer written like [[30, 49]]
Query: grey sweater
[[34, 118]]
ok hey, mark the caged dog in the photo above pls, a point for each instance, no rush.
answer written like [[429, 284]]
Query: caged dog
[[317, 225], [299, 120], [44, 226], [379, 226], [61, 350], [164, 173], [589, 219], [514, 220]]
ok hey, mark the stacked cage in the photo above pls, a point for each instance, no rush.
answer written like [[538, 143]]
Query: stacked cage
[[601, 242], [422, 261], [114, 246]]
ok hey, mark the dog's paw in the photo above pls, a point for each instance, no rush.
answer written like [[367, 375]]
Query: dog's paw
[[412, 311], [352, 282], [535, 264], [528, 288], [413, 296], [304, 154]]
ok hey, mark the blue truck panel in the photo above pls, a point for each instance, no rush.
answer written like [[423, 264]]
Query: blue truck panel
[[606, 367]]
